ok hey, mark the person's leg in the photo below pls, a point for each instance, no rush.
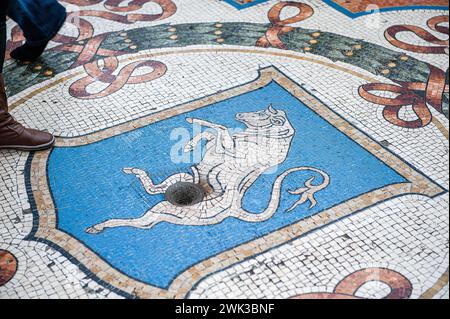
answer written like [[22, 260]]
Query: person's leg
[[12, 134], [3, 9], [40, 21]]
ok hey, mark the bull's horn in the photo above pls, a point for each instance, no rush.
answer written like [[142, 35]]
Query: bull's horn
[[271, 109]]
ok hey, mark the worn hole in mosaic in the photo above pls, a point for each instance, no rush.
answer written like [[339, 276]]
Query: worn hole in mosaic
[[184, 194]]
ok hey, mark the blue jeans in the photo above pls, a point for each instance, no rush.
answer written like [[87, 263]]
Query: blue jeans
[[40, 20]]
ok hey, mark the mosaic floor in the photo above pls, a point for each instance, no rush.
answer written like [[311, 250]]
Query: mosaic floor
[[318, 131]]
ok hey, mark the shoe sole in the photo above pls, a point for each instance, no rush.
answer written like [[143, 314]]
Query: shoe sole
[[29, 148]]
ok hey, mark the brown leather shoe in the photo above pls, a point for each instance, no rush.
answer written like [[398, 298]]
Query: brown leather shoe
[[14, 135]]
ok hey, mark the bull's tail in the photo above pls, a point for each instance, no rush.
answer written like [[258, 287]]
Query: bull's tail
[[307, 194]]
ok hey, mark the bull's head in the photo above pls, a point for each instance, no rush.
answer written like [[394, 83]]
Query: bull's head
[[264, 118], [268, 119]]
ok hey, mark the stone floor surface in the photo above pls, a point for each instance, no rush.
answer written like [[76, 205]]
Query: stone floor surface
[[318, 131]]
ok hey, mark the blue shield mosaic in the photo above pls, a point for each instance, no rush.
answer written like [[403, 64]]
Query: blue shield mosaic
[[106, 181]]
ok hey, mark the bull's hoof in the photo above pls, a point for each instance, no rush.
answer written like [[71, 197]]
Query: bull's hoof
[[127, 170], [133, 171], [94, 230], [190, 120]]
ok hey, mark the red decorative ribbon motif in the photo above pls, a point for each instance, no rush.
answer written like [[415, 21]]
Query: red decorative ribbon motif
[[417, 94], [433, 23], [88, 46], [92, 48], [401, 287], [8, 266], [280, 27], [409, 94], [116, 82], [86, 30]]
